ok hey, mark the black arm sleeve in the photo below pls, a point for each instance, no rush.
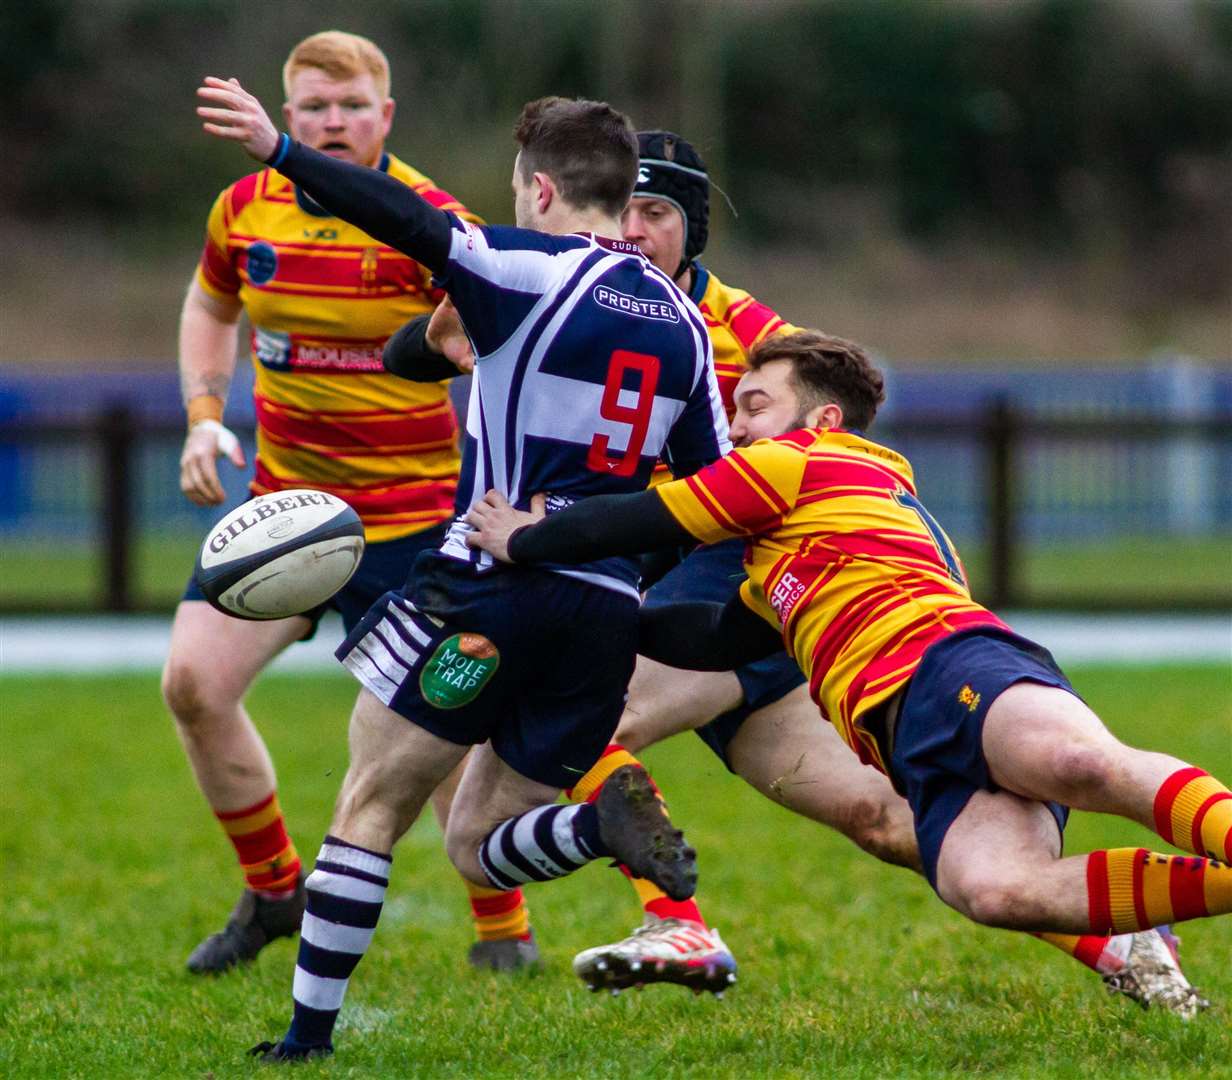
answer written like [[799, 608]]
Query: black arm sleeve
[[705, 637], [374, 201], [599, 527], [408, 354]]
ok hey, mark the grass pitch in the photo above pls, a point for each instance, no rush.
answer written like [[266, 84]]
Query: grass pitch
[[114, 869]]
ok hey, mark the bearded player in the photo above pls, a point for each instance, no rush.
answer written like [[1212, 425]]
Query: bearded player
[[758, 718]]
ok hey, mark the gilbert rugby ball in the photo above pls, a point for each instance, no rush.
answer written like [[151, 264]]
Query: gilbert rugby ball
[[280, 554]]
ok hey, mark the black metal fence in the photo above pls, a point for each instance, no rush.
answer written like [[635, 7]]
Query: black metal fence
[[995, 443]]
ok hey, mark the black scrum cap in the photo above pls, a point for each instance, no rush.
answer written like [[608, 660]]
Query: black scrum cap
[[670, 169]]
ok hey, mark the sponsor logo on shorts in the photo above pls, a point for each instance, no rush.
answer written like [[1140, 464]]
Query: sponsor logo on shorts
[[458, 670], [968, 697], [614, 300]]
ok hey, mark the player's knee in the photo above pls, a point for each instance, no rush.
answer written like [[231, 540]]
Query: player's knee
[[1080, 766], [993, 900], [186, 690], [462, 847], [633, 731], [871, 823]]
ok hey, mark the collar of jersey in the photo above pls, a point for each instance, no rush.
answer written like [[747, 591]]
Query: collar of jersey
[[304, 201], [701, 278]]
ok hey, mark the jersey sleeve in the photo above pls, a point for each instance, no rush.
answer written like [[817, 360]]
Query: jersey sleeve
[[443, 200], [700, 434], [749, 491], [495, 275], [216, 273]]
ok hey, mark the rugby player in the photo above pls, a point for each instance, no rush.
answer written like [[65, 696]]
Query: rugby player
[[743, 715], [322, 297], [590, 366], [975, 726]]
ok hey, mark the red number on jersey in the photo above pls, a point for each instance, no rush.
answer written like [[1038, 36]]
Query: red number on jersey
[[636, 416]]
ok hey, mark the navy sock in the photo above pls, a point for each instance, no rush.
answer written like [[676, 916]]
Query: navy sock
[[540, 845]]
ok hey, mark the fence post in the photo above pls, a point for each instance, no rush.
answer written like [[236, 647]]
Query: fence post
[[117, 438], [1000, 438]]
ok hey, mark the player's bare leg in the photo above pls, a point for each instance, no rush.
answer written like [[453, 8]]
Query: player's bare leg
[[792, 756], [664, 701], [212, 661], [505, 940], [1045, 743]]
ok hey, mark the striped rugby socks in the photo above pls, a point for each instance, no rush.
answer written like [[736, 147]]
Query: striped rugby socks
[[345, 893], [1193, 810], [1131, 889], [267, 856], [541, 845], [654, 900], [498, 914]]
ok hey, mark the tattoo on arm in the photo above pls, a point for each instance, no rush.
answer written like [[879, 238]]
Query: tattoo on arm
[[193, 385]]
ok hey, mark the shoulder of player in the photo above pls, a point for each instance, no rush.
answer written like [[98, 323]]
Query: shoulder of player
[[747, 318], [235, 198], [854, 445], [427, 188]]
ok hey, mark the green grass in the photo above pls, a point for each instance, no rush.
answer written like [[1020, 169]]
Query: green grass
[[1151, 567], [113, 869]]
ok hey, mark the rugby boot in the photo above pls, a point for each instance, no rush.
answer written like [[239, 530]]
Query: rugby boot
[[1151, 975], [664, 950], [269, 1053], [505, 954], [634, 825], [255, 922]]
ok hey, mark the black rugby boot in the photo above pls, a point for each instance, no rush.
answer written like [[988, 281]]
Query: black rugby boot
[[254, 923], [634, 825]]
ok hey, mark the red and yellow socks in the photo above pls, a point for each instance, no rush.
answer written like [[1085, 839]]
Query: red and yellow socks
[[1090, 950], [1131, 889], [654, 900], [498, 914], [1193, 810], [270, 863]]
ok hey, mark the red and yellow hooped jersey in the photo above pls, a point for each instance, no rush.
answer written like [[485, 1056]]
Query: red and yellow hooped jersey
[[322, 298], [736, 322], [842, 557]]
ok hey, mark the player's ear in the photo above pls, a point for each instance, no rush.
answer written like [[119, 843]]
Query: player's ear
[[545, 192], [286, 114], [829, 415], [387, 114]]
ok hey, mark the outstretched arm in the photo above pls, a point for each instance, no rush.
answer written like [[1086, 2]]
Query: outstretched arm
[[383, 207], [593, 528]]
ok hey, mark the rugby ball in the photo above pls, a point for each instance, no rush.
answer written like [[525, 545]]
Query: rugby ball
[[280, 554]]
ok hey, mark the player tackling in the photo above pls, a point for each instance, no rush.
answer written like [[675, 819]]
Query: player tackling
[[975, 725]]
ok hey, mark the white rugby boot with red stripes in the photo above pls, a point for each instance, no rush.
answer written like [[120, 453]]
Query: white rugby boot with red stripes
[[664, 950]]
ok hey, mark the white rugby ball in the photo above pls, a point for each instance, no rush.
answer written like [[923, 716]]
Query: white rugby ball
[[280, 554]]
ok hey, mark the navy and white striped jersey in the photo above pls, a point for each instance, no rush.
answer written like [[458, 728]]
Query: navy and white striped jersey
[[590, 365]]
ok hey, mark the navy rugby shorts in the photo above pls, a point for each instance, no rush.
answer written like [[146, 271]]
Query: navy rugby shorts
[[714, 572], [535, 661], [382, 567], [937, 760]]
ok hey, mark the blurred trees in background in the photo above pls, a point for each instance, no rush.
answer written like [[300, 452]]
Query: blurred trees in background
[[1092, 128]]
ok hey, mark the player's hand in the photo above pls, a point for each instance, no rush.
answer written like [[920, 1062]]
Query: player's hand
[[207, 440], [447, 336], [231, 112], [495, 520]]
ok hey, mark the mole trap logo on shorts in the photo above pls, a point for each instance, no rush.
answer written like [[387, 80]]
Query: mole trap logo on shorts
[[458, 670]]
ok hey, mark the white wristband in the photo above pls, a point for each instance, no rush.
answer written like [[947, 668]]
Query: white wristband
[[227, 442]]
